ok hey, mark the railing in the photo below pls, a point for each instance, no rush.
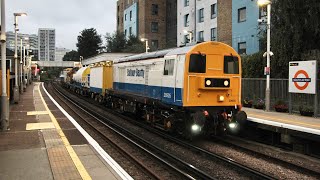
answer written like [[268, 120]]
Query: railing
[[253, 88]]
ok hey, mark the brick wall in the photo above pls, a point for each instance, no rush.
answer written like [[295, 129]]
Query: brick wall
[[224, 22]]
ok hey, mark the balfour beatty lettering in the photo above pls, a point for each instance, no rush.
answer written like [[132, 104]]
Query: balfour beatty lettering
[[135, 72]]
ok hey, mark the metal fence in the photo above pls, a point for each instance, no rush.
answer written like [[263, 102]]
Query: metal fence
[[253, 88]]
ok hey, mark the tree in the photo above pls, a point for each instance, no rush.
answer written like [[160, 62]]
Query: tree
[[117, 42], [89, 42], [71, 56], [134, 45], [295, 30]]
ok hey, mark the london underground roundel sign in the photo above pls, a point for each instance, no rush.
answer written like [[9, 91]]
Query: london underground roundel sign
[[302, 77]]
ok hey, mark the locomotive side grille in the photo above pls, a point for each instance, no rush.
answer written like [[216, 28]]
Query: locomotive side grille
[[217, 82]]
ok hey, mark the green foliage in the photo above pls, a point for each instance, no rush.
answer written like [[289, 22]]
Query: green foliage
[[89, 42], [71, 56], [295, 29], [117, 42], [50, 73], [253, 65]]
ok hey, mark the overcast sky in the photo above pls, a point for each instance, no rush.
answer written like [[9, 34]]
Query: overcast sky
[[68, 17]]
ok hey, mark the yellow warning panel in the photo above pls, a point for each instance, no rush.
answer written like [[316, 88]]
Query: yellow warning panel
[[31, 113], [35, 126]]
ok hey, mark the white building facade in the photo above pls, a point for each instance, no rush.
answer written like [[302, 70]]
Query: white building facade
[[60, 52], [46, 43], [202, 23]]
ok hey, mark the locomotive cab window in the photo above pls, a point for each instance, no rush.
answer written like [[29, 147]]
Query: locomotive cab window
[[231, 65], [168, 67], [197, 63]]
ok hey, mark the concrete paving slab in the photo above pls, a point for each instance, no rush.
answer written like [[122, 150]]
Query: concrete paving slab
[[94, 165], [33, 164]]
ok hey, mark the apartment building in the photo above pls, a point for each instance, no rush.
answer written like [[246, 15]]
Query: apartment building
[[60, 52], [203, 20], [149, 20], [46, 44], [246, 30]]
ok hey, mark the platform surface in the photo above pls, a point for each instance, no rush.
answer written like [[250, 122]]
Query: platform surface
[[285, 120], [43, 144]]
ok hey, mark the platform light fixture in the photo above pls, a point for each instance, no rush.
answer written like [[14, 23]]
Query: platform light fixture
[[147, 45], [16, 29]]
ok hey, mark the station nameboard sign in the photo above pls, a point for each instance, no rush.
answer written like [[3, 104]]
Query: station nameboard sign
[[302, 77]]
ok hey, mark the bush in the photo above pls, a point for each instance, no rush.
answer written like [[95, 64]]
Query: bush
[[259, 103], [281, 106], [247, 102]]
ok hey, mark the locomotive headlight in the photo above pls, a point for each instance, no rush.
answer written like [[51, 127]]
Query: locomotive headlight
[[226, 83], [220, 98], [208, 82], [232, 125], [195, 128]]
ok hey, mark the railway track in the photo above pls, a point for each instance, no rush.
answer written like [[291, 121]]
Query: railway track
[[180, 168], [250, 172]]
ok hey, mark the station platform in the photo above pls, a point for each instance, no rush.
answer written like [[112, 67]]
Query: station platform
[[45, 143], [288, 121]]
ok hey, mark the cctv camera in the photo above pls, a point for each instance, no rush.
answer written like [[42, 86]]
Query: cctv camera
[[271, 53], [260, 20]]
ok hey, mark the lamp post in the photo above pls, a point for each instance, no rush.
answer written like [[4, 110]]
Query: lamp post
[[21, 50], [4, 120], [147, 45], [16, 29], [268, 53]]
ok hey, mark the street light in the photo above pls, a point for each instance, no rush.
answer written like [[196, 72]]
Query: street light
[[16, 29], [268, 53], [147, 45]]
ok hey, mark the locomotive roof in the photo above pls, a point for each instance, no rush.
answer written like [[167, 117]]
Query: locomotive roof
[[155, 54]]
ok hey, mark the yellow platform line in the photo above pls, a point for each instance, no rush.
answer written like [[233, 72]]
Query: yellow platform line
[[31, 113], [34, 126], [283, 120], [81, 169]]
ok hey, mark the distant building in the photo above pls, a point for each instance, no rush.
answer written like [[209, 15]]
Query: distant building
[[60, 52], [211, 21], [246, 30], [30, 41], [46, 44], [148, 19]]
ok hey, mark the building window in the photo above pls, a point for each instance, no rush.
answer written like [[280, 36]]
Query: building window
[[130, 15], [130, 31], [213, 34], [186, 20], [125, 33], [213, 11], [262, 12], [186, 39], [186, 3], [201, 15], [125, 17], [168, 67], [154, 9], [242, 14], [201, 36], [155, 44], [154, 27], [242, 48], [118, 20]]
